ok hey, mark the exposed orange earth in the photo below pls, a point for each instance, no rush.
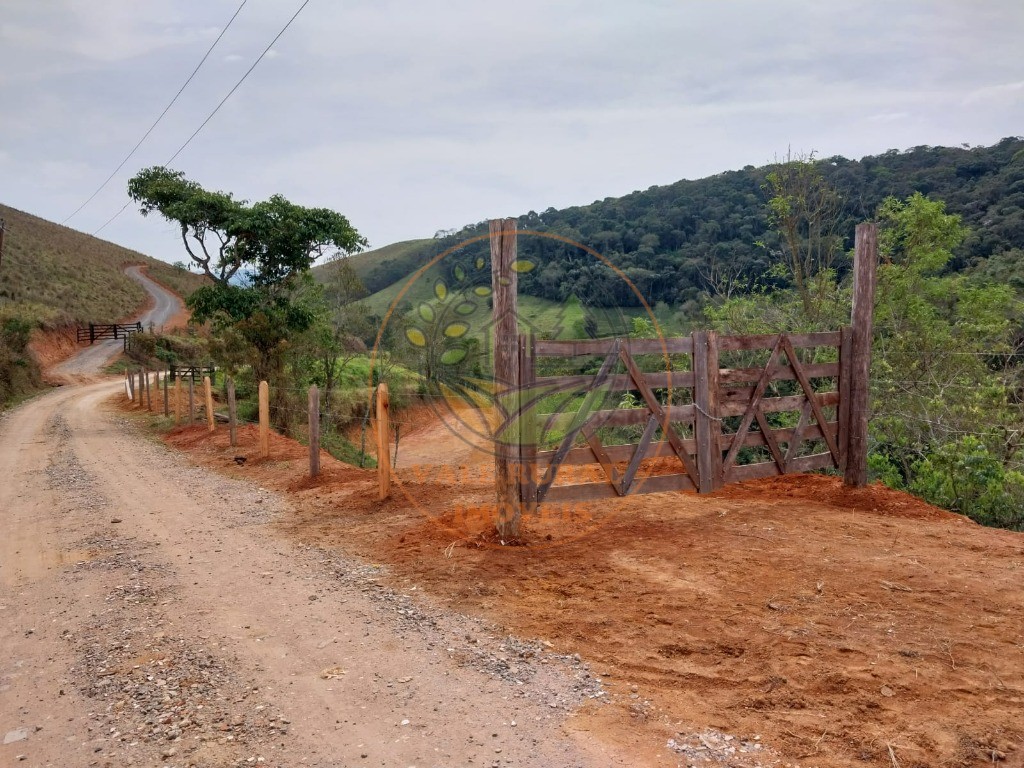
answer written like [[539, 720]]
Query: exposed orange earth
[[841, 627]]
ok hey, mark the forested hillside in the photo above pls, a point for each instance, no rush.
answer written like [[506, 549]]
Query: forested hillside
[[678, 240]]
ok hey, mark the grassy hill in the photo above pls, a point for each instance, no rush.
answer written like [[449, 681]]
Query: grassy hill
[[52, 277], [55, 274], [382, 267]]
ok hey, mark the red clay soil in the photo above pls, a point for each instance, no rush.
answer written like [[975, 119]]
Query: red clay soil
[[52, 346], [842, 627]]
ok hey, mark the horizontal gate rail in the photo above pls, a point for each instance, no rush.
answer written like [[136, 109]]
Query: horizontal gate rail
[[99, 331], [707, 453]]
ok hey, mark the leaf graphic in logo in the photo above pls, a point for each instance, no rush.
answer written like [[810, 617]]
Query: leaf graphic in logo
[[479, 262], [459, 272], [453, 356], [427, 312], [416, 337], [455, 330], [440, 290], [521, 265], [482, 290], [465, 308]]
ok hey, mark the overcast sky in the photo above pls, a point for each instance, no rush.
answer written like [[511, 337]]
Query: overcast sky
[[410, 117]]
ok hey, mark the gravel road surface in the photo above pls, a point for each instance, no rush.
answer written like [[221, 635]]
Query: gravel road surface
[[91, 359], [151, 616]]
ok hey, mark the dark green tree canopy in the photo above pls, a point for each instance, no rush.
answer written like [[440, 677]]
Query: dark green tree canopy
[[269, 241]]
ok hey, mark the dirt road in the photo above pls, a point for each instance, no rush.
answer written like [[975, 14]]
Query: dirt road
[[91, 359], [149, 616]]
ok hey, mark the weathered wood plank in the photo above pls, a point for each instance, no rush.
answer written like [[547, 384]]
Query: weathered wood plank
[[639, 452], [617, 417], [610, 470], [751, 409], [264, 411], [527, 419], [731, 376], [619, 382], [592, 491], [504, 283], [382, 432], [578, 421], [617, 453], [314, 430], [659, 412], [805, 384], [211, 423], [797, 435], [769, 437], [600, 347], [770, 469], [736, 407], [766, 341], [864, 275], [843, 437], [706, 444]]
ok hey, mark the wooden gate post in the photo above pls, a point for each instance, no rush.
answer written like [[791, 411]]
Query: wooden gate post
[[191, 400], [177, 401], [264, 396], [865, 261], [526, 418], [707, 423], [504, 285], [149, 395], [314, 431], [232, 414], [208, 392], [167, 395], [383, 433]]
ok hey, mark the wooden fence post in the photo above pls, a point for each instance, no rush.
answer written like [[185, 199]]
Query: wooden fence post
[[131, 385], [149, 394], [707, 426], [506, 375], [264, 395], [865, 262], [383, 433], [177, 401], [526, 418], [191, 400], [232, 414], [167, 395], [208, 392], [843, 416], [314, 431]]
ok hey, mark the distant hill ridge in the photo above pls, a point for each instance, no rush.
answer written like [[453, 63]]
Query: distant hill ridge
[[58, 275], [667, 237]]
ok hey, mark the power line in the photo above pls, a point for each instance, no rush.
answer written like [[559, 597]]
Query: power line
[[161, 117], [217, 108]]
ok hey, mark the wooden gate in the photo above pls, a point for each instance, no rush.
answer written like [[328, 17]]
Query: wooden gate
[[717, 424], [703, 415]]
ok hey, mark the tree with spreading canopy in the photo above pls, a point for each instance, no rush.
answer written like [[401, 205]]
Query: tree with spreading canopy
[[257, 256]]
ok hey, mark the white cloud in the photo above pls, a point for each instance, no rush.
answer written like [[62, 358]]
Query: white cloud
[[449, 114]]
